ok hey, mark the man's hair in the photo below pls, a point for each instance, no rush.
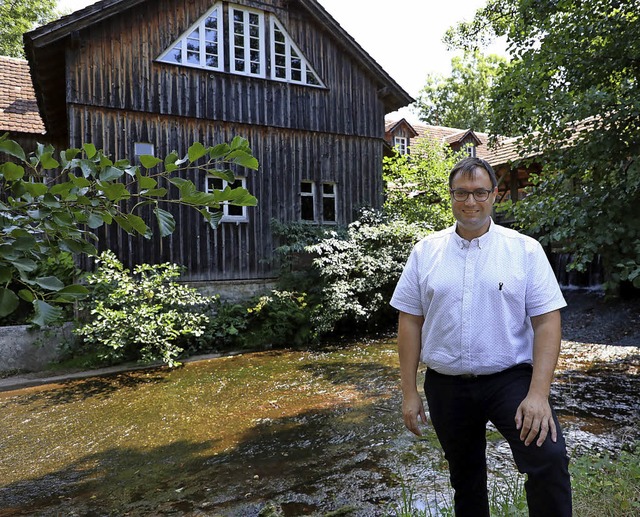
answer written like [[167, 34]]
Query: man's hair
[[468, 165]]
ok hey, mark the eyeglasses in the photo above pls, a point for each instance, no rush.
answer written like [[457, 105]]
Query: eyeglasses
[[479, 195]]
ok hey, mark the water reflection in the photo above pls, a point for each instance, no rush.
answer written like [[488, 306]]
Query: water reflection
[[314, 431]]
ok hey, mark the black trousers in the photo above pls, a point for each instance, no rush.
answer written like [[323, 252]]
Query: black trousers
[[460, 408]]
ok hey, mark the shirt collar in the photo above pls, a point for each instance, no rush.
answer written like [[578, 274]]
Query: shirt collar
[[479, 241]]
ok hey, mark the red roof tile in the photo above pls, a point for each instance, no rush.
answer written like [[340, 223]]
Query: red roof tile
[[18, 106]]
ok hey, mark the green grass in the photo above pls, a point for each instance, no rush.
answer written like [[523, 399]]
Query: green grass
[[603, 486]]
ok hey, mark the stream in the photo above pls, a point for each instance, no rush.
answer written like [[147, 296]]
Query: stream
[[311, 431]]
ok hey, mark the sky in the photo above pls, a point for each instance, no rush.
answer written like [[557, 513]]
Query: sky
[[403, 36]]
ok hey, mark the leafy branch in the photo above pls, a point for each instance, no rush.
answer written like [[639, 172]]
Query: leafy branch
[[52, 202]]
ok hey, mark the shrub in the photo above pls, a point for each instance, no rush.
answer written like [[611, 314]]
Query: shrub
[[279, 319], [144, 316], [352, 273]]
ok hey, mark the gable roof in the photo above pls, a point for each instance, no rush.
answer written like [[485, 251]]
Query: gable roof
[[392, 126], [47, 59], [451, 135], [18, 106]]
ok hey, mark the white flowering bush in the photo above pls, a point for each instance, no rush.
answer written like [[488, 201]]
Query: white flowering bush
[[143, 316]]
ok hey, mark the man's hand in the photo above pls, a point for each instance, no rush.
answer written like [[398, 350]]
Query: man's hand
[[412, 408], [533, 418]]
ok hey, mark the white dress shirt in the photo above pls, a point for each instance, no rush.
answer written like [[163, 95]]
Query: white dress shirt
[[477, 298]]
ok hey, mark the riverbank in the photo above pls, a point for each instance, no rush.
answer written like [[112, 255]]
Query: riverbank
[[589, 318]]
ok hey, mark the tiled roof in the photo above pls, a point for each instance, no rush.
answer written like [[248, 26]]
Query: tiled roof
[[18, 106], [450, 135], [505, 151]]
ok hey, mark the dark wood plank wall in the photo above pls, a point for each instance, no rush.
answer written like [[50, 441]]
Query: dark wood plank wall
[[118, 95]]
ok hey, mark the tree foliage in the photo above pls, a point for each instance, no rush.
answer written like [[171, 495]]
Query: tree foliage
[[20, 16], [417, 184], [572, 92], [52, 202], [462, 99]]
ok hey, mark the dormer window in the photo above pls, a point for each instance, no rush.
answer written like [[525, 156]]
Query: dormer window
[[400, 144], [470, 149], [247, 41]]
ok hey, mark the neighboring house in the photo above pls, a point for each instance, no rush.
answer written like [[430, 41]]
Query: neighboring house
[[398, 135], [511, 169], [18, 107], [151, 76]]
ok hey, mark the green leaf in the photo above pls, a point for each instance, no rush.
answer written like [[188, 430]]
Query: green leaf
[[225, 174], [166, 222], [48, 161], [8, 302], [149, 161], [50, 201], [25, 243], [114, 191], [88, 168], [215, 216], [95, 221], [186, 187], [62, 189], [196, 151], [79, 181], [138, 224], [6, 273], [45, 313], [124, 223], [24, 264], [90, 150], [74, 291], [111, 173], [12, 148], [201, 199], [50, 283], [26, 295], [145, 182], [244, 159], [157, 192], [240, 143], [219, 151], [12, 171], [36, 189]]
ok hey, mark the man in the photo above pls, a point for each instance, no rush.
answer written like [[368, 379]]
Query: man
[[479, 305]]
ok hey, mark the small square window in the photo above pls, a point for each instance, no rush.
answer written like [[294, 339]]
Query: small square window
[[140, 148], [230, 213]]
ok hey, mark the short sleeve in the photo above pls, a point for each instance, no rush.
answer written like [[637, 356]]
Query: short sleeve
[[543, 292], [406, 296]]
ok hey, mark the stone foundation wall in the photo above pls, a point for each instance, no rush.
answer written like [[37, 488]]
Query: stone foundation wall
[[25, 349]]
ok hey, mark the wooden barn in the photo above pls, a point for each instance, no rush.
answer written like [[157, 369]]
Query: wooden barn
[[151, 76]]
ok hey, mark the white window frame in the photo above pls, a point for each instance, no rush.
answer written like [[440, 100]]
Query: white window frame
[[246, 35], [226, 216], [333, 196], [306, 70], [470, 149], [226, 39], [400, 143], [311, 195], [181, 43]]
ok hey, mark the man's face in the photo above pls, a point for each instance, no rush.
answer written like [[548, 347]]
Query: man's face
[[472, 216]]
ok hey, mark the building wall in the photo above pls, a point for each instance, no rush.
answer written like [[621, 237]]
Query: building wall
[[118, 95]]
